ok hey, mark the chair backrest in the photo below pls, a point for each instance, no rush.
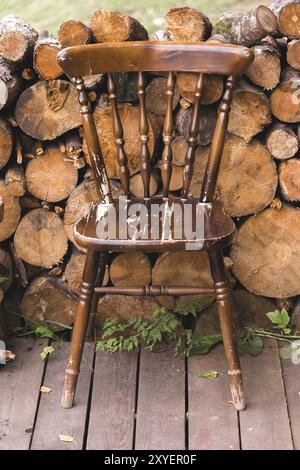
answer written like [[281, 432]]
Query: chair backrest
[[152, 56]]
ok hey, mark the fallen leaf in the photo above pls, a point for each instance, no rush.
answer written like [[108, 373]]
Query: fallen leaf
[[65, 438], [209, 374], [45, 389]]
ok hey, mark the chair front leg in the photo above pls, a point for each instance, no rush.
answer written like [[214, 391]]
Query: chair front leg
[[80, 328], [223, 298], [95, 300]]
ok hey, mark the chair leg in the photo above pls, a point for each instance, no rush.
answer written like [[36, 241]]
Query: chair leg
[[80, 327], [99, 281], [223, 299]]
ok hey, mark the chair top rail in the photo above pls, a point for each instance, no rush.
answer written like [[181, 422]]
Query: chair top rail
[[154, 56]]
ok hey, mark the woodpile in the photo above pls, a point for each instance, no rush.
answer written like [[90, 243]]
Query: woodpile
[[46, 182]]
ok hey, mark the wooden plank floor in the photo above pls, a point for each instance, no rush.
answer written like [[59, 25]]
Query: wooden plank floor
[[147, 401]]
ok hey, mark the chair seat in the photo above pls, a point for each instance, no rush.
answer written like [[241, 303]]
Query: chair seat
[[164, 230]]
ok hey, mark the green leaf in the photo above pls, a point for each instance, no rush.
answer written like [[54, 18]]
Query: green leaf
[[209, 374], [250, 344], [203, 344], [287, 331], [286, 352], [45, 332], [279, 318], [46, 351]]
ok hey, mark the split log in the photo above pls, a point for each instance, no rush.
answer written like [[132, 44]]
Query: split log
[[187, 24], [179, 149], [282, 141], [74, 270], [15, 181], [40, 239], [49, 300], [6, 270], [110, 26], [246, 29], [207, 122], [212, 87], [6, 142], [266, 253], [50, 177], [250, 111], [176, 182], [73, 146], [126, 85], [130, 121], [194, 271], [248, 178], [124, 307], [10, 85], [78, 205], [288, 17], [289, 179], [12, 212], [285, 99], [137, 187], [74, 33], [48, 109], [44, 58], [131, 269], [17, 38], [266, 67], [293, 54], [156, 98]]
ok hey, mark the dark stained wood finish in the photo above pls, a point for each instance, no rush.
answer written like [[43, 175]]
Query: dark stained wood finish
[[111, 423], [204, 58], [20, 384], [265, 423], [155, 56], [161, 404], [53, 420], [213, 422]]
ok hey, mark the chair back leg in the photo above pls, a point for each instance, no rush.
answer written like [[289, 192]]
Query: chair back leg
[[80, 328], [223, 298]]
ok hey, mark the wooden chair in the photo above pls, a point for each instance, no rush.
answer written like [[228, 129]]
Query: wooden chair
[[150, 56]]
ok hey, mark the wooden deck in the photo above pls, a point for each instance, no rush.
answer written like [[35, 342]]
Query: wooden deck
[[147, 401]]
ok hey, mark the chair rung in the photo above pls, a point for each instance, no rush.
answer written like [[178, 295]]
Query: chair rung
[[154, 290]]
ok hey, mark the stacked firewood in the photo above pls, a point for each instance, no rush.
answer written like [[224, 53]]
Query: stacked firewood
[[46, 182]]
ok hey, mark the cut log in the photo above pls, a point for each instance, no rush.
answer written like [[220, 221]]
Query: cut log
[[137, 186], [131, 269], [10, 85], [156, 98], [74, 33], [282, 141], [6, 142], [6, 270], [50, 177], [44, 58], [110, 26], [12, 212], [125, 307], [78, 206], [126, 85], [130, 120], [248, 178], [40, 239], [212, 87], [15, 181], [289, 179], [293, 54], [246, 29], [93, 82], [288, 17], [73, 146], [74, 270], [285, 99], [48, 109], [194, 271], [179, 149], [17, 38], [266, 253], [187, 24], [176, 182], [266, 67], [207, 123], [250, 111], [19, 267], [49, 300]]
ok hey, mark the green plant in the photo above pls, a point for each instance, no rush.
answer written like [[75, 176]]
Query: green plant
[[280, 320], [47, 350], [209, 374]]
